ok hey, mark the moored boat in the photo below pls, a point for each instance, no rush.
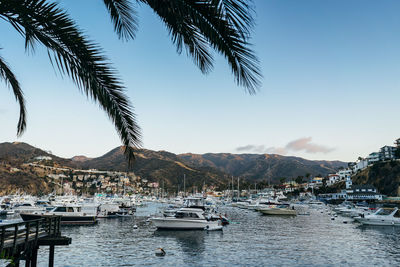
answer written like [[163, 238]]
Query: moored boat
[[186, 219], [383, 216], [282, 209], [70, 214]]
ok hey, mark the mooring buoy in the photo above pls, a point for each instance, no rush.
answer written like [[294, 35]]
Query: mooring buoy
[[160, 252]]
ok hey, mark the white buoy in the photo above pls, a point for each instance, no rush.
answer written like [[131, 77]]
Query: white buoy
[[135, 226], [160, 252]]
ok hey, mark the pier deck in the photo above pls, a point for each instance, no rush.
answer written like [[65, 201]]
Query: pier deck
[[21, 241]]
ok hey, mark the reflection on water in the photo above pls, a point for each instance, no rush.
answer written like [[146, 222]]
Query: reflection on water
[[251, 240]]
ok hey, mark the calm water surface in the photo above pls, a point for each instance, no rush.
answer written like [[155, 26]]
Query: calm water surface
[[251, 240]]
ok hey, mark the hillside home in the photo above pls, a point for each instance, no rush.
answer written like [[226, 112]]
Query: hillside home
[[343, 174], [387, 153], [332, 179], [373, 157]]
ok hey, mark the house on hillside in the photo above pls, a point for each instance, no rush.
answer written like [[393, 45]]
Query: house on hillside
[[343, 174], [387, 153], [43, 158], [333, 179], [373, 157], [360, 165]]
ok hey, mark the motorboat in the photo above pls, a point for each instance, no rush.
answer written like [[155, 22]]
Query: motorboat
[[187, 219], [282, 209], [27, 207], [70, 214], [108, 210], [383, 216]]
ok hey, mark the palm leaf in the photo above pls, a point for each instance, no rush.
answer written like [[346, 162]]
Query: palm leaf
[[78, 58], [224, 25], [8, 76], [123, 17]]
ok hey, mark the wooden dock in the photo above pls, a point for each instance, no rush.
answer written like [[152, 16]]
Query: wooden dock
[[21, 241]]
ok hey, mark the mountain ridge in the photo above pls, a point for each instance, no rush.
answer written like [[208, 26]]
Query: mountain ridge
[[169, 168]]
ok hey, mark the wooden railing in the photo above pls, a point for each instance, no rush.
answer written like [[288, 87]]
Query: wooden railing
[[25, 234]]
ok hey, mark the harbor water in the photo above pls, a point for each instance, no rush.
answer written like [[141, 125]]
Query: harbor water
[[252, 239]]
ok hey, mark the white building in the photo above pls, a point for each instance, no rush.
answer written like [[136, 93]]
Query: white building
[[349, 182], [343, 174], [363, 192], [360, 165], [373, 157], [387, 153], [332, 179], [43, 158]]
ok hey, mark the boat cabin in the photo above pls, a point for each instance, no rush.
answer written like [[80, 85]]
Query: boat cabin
[[186, 213]]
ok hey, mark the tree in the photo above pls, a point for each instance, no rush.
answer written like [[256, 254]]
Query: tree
[[299, 179], [198, 26], [282, 180]]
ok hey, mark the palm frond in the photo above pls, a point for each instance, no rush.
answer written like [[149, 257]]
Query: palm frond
[[78, 58], [8, 76], [238, 13], [223, 25], [123, 17]]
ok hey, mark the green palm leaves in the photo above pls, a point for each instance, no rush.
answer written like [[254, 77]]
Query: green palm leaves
[[198, 26]]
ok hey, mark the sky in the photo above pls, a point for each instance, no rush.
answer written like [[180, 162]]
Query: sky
[[330, 87]]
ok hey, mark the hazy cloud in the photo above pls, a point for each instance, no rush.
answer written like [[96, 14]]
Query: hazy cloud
[[276, 150], [301, 144], [2, 110], [304, 144], [251, 148]]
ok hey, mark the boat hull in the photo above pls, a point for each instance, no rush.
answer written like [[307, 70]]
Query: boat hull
[[174, 224], [274, 211], [381, 222]]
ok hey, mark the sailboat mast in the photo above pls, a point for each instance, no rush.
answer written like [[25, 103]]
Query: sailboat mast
[[238, 189], [184, 185]]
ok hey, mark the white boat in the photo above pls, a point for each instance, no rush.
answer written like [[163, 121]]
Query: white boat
[[383, 216], [283, 209], [70, 214], [27, 207], [186, 219]]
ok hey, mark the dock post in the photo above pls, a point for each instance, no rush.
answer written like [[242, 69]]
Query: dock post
[[51, 256], [34, 257]]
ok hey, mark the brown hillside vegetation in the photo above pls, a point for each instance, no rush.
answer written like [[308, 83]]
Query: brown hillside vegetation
[[385, 176]]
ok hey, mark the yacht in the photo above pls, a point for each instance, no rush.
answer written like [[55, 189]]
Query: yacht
[[383, 216], [282, 209], [27, 207], [70, 214], [187, 219]]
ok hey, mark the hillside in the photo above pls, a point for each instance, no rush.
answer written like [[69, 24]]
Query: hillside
[[385, 176], [257, 167], [17, 153], [158, 166], [165, 167]]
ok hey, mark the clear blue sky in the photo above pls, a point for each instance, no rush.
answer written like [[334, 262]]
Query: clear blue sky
[[330, 89]]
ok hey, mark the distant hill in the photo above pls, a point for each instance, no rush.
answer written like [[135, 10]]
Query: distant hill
[[160, 166], [168, 168], [18, 153], [257, 167], [385, 176]]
